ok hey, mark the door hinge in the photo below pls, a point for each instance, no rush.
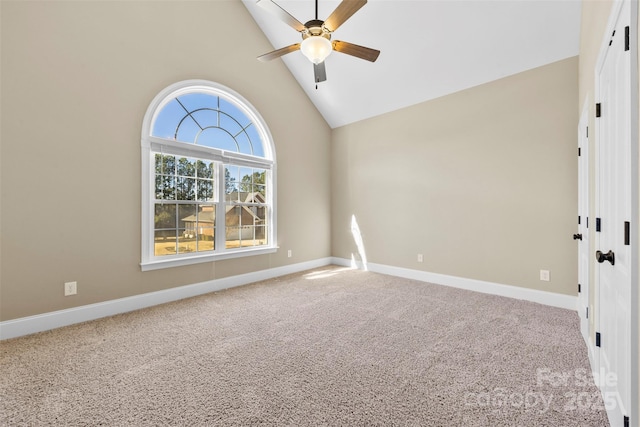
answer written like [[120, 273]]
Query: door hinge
[[587, 222], [626, 418], [587, 309], [587, 131], [579, 288], [598, 224], [598, 110], [597, 339], [626, 38], [579, 152], [627, 225], [578, 219]]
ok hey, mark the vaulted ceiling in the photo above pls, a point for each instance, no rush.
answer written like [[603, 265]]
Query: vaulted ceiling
[[429, 48]]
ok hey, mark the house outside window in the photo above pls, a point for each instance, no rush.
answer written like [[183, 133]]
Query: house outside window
[[208, 177]]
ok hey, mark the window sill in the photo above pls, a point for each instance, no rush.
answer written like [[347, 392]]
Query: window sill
[[158, 264]]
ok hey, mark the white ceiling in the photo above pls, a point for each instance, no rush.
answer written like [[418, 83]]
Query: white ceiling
[[429, 48]]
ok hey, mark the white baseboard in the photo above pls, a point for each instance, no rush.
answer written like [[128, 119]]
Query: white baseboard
[[56, 319], [547, 298]]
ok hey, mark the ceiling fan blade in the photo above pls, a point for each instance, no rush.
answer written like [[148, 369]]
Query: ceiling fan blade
[[282, 14], [319, 72], [342, 13], [279, 52], [355, 50]]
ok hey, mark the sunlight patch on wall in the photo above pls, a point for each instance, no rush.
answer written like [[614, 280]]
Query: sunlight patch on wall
[[357, 238]]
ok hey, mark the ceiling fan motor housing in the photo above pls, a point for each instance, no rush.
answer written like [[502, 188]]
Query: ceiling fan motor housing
[[315, 27]]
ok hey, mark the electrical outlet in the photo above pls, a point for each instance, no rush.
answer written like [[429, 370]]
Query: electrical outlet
[[544, 275], [420, 258], [289, 253], [70, 288]]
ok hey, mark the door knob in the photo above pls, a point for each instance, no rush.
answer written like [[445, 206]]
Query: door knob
[[609, 256], [577, 237]]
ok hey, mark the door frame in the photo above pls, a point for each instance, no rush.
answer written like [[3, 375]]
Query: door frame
[[585, 311]]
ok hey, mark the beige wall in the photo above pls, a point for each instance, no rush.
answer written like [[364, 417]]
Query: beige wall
[[77, 78], [483, 182]]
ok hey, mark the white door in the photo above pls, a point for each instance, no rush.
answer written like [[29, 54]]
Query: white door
[[582, 235], [613, 189]]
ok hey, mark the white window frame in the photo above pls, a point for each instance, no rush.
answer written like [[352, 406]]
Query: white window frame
[[151, 145]]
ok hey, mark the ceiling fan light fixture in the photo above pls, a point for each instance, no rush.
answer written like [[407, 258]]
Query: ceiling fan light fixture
[[316, 48]]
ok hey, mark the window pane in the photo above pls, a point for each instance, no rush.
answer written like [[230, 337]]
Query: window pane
[[167, 188], [165, 216], [245, 181], [186, 242], [206, 216], [159, 188], [187, 216], [233, 224], [217, 138], [229, 124], [206, 239], [232, 193], [231, 173], [168, 165], [188, 222], [256, 142], [261, 236], [158, 163], [186, 167], [234, 112], [205, 228], [165, 181], [261, 215], [205, 190], [164, 242], [251, 236], [165, 229], [167, 120], [188, 130], [206, 117], [205, 184], [232, 237], [204, 169], [253, 181], [193, 101], [185, 188], [231, 183], [242, 139]]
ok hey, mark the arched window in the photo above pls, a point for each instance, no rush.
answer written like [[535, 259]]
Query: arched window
[[208, 177]]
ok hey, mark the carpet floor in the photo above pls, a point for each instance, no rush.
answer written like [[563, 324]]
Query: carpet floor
[[332, 346]]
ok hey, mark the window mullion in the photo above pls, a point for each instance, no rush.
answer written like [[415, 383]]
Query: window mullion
[[220, 223]]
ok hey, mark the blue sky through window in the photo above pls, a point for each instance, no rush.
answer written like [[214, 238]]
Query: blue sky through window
[[208, 120]]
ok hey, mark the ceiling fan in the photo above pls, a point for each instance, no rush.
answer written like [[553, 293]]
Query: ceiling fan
[[316, 42]]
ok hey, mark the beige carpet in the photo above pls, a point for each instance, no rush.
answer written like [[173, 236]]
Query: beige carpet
[[328, 347]]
